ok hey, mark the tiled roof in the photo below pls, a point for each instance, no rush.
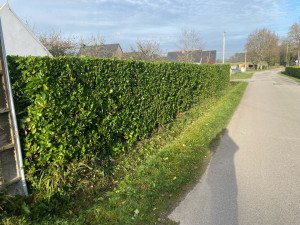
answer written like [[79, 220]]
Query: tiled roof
[[197, 56], [100, 51]]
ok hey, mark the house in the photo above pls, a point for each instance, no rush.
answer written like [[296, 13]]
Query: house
[[209, 56], [195, 56], [185, 56], [18, 38], [101, 51], [138, 55]]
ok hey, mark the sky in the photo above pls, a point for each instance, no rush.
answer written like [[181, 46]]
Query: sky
[[126, 21]]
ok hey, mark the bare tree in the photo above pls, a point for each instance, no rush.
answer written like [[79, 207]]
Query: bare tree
[[273, 52], [294, 40], [262, 45], [189, 40], [146, 50], [92, 46], [57, 44], [285, 52], [96, 39], [95, 46]]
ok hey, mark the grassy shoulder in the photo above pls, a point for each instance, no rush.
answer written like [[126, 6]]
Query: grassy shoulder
[[242, 75], [289, 76], [147, 182]]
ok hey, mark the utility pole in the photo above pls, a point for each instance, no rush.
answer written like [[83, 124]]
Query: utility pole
[[298, 59], [288, 55], [245, 60], [223, 47]]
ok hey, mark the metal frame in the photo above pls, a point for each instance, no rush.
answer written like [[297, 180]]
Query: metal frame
[[13, 113]]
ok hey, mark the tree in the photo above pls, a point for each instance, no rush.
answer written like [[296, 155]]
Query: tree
[[95, 46], [189, 40], [237, 57], [262, 45], [92, 46], [58, 45], [146, 50], [285, 56], [294, 40]]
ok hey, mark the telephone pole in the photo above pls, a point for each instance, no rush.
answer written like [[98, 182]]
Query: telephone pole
[[223, 47], [288, 57], [245, 60]]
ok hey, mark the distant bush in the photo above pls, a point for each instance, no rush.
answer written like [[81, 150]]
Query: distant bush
[[72, 108], [293, 71]]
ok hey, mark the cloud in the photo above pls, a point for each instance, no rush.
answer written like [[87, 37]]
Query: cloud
[[161, 20]]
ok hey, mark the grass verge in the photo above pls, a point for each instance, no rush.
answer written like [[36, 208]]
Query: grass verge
[[147, 182], [289, 76], [241, 76]]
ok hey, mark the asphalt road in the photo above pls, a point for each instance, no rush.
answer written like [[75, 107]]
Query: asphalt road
[[254, 176]]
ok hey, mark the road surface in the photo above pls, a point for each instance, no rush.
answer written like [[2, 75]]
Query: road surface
[[254, 176]]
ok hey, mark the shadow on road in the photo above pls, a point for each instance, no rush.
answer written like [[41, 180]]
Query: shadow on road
[[221, 180], [213, 201]]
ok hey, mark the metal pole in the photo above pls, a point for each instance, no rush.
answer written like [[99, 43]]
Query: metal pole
[[13, 113]]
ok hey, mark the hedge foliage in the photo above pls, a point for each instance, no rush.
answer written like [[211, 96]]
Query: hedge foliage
[[73, 108], [293, 71]]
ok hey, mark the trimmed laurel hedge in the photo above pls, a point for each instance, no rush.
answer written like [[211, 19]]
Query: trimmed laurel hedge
[[72, 108], [293, 71]]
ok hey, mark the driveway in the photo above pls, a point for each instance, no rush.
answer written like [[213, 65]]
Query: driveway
[[254, 176]]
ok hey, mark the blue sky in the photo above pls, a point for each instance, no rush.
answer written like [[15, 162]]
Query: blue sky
[[125, 21]]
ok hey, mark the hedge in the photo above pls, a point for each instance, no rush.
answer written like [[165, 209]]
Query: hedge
[[72, 108], [293, 71]]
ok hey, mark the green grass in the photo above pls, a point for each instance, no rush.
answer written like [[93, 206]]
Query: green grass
[[147, 183], [289, 76], [241, 76]]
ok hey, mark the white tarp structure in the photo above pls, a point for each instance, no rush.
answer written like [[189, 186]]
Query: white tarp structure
[[18, 38]]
